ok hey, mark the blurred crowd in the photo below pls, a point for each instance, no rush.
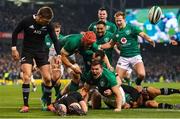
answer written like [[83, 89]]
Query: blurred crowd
[[71, 22], [161, 63]]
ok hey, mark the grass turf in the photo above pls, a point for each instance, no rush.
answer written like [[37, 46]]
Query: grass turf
[[11, 101]]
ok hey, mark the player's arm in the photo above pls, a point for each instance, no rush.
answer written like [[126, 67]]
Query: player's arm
[[18, 29], [67, 63], [107, 45], [147, 38], [116, 49], [106, 61], [83, 106], [86, 95], [118, 98], [55, 41]]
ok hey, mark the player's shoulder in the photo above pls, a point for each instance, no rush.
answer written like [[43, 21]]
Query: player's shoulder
[[108, 74], [28, 19], [110, 23], [93, 23], [108, 33]]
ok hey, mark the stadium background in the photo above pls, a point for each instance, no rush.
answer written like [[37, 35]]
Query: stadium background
[[162, 63]]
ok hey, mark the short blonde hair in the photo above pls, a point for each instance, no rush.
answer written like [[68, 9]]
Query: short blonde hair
[[119, 13]]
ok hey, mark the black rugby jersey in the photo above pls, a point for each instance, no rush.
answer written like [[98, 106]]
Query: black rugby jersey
[[68, 99], [34, 35]]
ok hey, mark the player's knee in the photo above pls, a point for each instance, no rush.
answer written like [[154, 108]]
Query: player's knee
[[26, 77], [96, 100], [141, 75], [47, 82]]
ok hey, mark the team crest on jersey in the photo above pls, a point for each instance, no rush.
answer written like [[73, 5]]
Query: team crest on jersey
[[102, 83], [123, 40], [117, 35], [128, 32]]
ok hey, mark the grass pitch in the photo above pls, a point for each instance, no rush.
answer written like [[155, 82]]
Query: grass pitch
[[11, 101]]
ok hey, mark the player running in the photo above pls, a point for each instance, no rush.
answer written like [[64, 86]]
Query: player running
[[127, 40]]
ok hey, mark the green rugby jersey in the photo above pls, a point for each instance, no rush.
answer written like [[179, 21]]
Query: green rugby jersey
[[127, 40]]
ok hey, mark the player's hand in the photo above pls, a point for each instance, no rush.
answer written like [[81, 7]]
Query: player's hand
[[107, 92], [111, 68], [76, 69], [117, 109], [173, 42], [15, 55], [57, 59], [126, 106], [152, 43]]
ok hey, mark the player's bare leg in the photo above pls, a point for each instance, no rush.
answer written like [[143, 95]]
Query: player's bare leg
[[27, 70], [45, 72], [140, 71]]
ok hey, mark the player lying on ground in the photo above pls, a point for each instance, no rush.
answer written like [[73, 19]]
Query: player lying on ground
[[145, 96], [71, 103]]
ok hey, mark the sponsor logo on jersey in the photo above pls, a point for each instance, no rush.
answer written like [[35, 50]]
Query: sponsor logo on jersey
[[37, 31], [123, 40], [102, 83]]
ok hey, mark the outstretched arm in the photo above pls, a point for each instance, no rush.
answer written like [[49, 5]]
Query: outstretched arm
[[83, 106], [147, 38], [107, 45], [118, 97]]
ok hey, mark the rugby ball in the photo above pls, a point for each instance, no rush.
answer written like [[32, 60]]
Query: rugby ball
[[154, 14]]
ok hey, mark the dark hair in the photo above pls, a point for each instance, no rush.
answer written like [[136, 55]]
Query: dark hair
[[96, 62], [102, 9], [100, 53], [101, 22], [45, 12], [56, 25]]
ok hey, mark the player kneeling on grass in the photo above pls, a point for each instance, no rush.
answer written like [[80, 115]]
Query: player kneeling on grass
[[72, 104], [145, 97]]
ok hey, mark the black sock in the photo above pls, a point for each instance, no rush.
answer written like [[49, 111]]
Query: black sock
[[59, 95], [26, 90], [168, 91], [138, 81], [47, 94], [53, 82], [57, 89], [165, 106]]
